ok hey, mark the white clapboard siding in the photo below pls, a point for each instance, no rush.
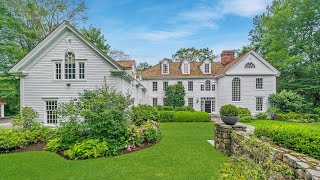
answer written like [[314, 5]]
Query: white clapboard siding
[[39, 83]]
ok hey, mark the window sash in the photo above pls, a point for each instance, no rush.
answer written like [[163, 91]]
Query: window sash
[[259, 103], [154, 101], [58, 71], [165, 68], [190, 102], [236, 89], [82, 70], [165, 85], [154, 86], [190, 85], [51, 111], [70, 66], [259, 83], [213, 87], [208, 85], [202, 87], [186, 68], [207, 68]]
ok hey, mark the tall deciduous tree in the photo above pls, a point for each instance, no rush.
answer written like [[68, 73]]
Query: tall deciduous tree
[[175, 95], [143, 66], [96, 37], [288, 36], [117, 55], [194, 55]]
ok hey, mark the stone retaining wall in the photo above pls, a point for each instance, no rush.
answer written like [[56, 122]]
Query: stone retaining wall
[[232, 140]]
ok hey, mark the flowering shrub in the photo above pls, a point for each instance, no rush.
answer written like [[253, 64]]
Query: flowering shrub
[[150, 131], [134, 136]]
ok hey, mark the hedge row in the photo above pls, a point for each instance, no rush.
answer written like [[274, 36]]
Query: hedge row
[[293, 136], [183, 116]]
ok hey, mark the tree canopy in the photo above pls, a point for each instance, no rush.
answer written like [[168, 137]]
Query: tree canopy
[[96, 37], [143, 66], [194, 55], [288, 36]]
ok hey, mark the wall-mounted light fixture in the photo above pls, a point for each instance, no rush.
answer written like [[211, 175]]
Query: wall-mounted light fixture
[[197, 100], [68, 84]]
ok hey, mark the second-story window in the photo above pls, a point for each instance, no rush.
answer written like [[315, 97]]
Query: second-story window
[[70, 65], [190, 85], [208, 85], [57, 70], [154, 86], [259, 83], [81, 70], [179, 82], [202, 87], [165, 85]]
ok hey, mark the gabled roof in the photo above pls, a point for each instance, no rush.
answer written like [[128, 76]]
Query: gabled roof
[[174, 70], [236, 61], [126, 64], [30, 58]]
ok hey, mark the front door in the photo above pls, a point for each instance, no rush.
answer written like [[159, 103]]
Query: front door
[[207, 106]]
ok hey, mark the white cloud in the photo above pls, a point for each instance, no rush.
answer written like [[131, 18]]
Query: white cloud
[[245, 8], [164, 35]]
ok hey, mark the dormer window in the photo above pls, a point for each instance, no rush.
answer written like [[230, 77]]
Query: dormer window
[[249, 65], [165, 68], [185, 67], [207, 68]]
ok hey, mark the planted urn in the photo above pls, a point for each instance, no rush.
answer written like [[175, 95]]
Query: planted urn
[[229, 114]]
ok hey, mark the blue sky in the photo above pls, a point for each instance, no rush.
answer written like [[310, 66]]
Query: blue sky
[[150, 30]]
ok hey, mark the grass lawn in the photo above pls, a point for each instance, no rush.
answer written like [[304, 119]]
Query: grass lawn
[[183, 153], [262, 123]]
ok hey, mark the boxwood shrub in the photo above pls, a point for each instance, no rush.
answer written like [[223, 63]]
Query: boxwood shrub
[[185, 116], [293, 136], [166, 116]]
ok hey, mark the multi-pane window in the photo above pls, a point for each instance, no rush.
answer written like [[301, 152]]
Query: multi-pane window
[[51, 111], [202, 87], [236, 89], [208, 84], [185, 68], [190, 85], [164, 101], [70, 66], [213, 87], [259, 83], [165, 85], [57, 71], [81, 70], [190, 102], [165, 68], [207, 68], [259, 103], [179, 82], [154, 86], [154, 101], [249, 65]]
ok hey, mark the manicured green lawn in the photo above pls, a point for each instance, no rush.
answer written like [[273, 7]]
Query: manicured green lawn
[[183, 153], [256, 123]]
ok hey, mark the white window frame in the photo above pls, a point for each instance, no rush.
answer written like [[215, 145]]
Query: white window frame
[[163, 68], [259, 83], [259, 104], [154, 86], [202, 87], [236, 89], [85, 69], [209, 68], [55, 62], [213, 87], [190, 102], [154, 102], [190, 85], [165, 85], [186, 68], [45, 114], [207, 85], [66, 73]]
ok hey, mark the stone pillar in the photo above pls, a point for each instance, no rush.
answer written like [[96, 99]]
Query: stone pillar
[[2, 110]]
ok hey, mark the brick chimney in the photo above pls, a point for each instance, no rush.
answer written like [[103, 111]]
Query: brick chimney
[[227, 56]]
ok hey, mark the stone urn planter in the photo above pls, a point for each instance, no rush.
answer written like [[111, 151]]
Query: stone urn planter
[[230, 120], [229, 114]]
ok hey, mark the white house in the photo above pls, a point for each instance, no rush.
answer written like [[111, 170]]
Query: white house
[[65, 63]]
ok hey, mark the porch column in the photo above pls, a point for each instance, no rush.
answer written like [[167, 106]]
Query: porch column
[[2, 110]]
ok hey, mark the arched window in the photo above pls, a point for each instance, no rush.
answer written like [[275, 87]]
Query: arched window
[[249, 65], [70, 65], [236, 89], [208, 86]]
